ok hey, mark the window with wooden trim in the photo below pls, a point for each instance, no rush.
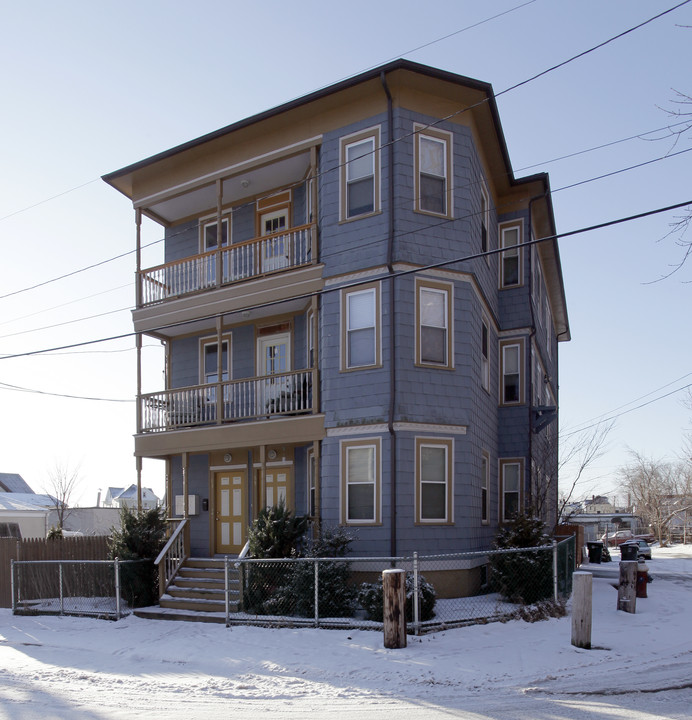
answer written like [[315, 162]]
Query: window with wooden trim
[[434, 343], [360, 318], [511, 257], [512, 372], [485, 355], [312, 483], [432, 178], [485, 488], [434, 485], [360, 482], [360, 174], [511, 474]]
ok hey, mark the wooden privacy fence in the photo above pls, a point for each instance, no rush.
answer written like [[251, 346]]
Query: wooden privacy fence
[[70, 548]]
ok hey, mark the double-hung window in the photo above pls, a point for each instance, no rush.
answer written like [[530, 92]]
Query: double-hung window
[[360, 328], [510, 266], [434, 487], [434, 310], [485, 488], [359, 163], [512, 363], [485, 219], [433, 160], [511, 472], [210, 361], [485, 355], [360, 481]]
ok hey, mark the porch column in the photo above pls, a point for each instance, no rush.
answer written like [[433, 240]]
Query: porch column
[[186, 468], [318, 485], [219, 369], [139, 484], [316, 356], [138, 275], [169, 488], [219, 231], [314, 195], [138, 407]]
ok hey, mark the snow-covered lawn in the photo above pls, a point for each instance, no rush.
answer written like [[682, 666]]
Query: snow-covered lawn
[[640, 667]]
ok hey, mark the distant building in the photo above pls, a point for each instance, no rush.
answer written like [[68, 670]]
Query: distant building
[[127, 497], [13, 483]]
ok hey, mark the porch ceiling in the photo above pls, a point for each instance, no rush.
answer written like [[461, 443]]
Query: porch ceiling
[[198, 197]]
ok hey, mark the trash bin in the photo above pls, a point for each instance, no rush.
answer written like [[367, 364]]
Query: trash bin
[[595, 551], [629, 551]]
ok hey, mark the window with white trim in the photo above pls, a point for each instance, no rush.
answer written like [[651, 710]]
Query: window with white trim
[[360, 328], [312, 484], [434, 310], [210, 234], [360, 481], [434, 487], [359, 161], [510, 265], [511, 364], [433, 160], [511, 477], [485, 219], [209, 365]]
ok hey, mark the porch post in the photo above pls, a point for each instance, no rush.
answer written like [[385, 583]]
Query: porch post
[[316, 357], [139, 484], [138, 410], [219, 231], [186, 467], [169, 489], [219, 369], [138, 276], [313, 220]]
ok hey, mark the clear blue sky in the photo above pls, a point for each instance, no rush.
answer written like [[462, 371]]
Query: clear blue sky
[[88, 88]]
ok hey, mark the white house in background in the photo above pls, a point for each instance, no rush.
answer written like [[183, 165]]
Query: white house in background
[[13, 483], [28, 510], [127, 497]]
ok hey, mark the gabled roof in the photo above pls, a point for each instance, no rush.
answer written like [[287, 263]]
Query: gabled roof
[[26, 502], [14, 483], [131, 492]]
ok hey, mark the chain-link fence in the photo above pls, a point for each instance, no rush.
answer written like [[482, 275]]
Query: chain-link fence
[[441, 590], [71, 587]]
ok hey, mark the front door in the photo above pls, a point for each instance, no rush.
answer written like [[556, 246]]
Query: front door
[[231, 511], [275, 247], [273, 361]]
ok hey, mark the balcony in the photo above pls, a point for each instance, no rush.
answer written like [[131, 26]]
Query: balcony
[[260, 398], [236, 263]]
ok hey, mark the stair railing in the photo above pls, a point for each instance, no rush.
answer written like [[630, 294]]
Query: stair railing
[[173, 555]]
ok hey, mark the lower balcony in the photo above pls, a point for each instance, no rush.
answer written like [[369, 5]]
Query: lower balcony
[[260, 398]]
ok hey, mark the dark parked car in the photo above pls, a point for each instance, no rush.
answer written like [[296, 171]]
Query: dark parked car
[[644, 548]]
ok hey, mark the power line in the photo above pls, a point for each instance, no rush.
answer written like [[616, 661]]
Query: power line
[[437, 122], [357, 283], [17, 388], [66, 322]]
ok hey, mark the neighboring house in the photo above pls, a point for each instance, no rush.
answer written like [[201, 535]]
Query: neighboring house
[[29, 510], [13, 483], [599, 504], [127, 497], [354, 322]]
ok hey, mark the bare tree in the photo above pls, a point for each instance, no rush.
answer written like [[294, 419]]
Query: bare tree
[[659, 491], [63, 480]]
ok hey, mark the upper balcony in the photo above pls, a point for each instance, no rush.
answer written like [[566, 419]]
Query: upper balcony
[[270, 254]]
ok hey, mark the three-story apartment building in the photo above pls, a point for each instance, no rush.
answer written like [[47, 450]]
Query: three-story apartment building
[[357, 319]]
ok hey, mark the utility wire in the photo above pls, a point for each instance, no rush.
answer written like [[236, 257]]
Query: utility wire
[[357, 283], [17, 388], [448, 117]]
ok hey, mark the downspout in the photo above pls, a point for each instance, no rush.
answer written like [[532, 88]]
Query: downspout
[[392, 324]]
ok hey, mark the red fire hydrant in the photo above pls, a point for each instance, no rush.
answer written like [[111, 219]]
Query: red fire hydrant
[[642, 579]]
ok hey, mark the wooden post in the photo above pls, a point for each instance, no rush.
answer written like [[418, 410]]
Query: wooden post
[[582, 583], [627, 589], [394, 598]]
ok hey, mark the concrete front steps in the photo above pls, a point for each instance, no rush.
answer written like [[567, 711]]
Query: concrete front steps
[[197, 593]]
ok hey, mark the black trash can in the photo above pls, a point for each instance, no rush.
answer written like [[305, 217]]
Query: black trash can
[[595, 551], [629, 551]]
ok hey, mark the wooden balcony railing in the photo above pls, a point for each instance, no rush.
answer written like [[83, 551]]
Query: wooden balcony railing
[[233, 263], [231, 401]]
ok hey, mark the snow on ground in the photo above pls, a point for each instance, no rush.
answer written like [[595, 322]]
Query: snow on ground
[[640, 666]]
